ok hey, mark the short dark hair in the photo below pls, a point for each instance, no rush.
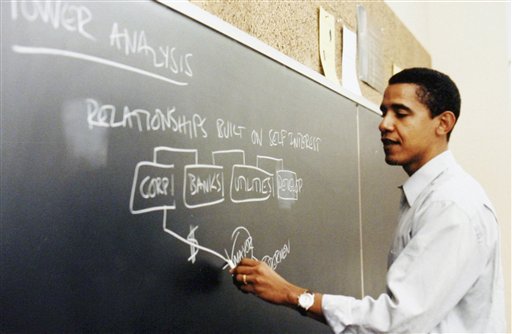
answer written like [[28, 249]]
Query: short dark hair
[[435, 90]]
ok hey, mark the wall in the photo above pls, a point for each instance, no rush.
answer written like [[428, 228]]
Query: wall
[[475, 52]]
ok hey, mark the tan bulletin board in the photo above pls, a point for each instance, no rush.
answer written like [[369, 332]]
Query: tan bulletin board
[[291, 27]]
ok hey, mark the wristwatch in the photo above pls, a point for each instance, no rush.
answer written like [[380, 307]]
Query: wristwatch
[[305, 301]]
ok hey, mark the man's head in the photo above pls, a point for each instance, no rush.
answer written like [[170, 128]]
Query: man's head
[[419, 110], [434, 89]]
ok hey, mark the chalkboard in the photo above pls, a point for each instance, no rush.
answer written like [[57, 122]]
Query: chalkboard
[[141, 151], [379, 205]]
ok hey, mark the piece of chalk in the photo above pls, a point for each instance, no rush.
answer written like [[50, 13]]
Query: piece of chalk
[[229, 264]]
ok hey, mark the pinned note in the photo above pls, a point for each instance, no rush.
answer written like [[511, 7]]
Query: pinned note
[[349, 78], [327, 45]]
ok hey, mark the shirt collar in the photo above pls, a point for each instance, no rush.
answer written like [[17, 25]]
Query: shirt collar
[[413, 187]]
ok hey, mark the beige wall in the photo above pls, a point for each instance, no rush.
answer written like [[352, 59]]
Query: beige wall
[[471, 43]]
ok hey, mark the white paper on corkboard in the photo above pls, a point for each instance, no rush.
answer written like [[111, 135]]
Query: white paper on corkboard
[[349, 78], [370, 52], [327, 45]]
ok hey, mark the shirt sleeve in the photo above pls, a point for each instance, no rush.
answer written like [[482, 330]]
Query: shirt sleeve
[[431, 275]]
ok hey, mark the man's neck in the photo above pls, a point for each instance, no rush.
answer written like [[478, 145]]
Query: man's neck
[[412, 168]]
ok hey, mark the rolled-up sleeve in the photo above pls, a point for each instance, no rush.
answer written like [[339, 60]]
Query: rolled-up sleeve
[[337, 311]]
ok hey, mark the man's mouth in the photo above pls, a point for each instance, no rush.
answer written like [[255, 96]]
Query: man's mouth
[[387, 142]]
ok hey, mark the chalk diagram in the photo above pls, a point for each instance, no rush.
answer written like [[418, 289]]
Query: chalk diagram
[[174, 178]]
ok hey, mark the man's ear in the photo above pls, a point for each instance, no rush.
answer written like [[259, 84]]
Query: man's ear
[[447, 121]]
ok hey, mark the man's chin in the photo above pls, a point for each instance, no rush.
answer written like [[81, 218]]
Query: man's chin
[[392, 162]]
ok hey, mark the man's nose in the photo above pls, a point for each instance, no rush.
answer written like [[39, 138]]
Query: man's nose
[[386, 124]]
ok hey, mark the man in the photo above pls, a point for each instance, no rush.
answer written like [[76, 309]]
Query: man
[[444, 272]]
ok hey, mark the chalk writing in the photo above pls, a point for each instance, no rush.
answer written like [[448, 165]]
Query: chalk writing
[[30, 50], [154, 189], [249, 184], [193, 243], [158, 185], [227, 129], [108, 116], [304, 141], [296, 140], [277, 137], [278, 256], [77, 19], [58, 14], [241, 248], [135, 42], [288, 185], [194, 126], [257, 137], [204, 185], [197, 185]]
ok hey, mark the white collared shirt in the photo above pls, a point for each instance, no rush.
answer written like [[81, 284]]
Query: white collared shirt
[[444, 272]]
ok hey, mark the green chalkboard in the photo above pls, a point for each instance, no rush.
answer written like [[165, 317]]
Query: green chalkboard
[[141, 151]]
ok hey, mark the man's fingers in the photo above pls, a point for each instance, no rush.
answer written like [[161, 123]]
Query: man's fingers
[[245, 266], [243, 279], [247, 288], [248, 262]]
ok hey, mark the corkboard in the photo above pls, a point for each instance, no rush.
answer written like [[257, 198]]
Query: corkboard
[[292, 28]]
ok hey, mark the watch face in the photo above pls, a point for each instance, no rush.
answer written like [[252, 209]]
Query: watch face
[[306, 300]]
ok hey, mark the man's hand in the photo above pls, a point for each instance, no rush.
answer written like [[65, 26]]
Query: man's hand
[[258, 278]]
